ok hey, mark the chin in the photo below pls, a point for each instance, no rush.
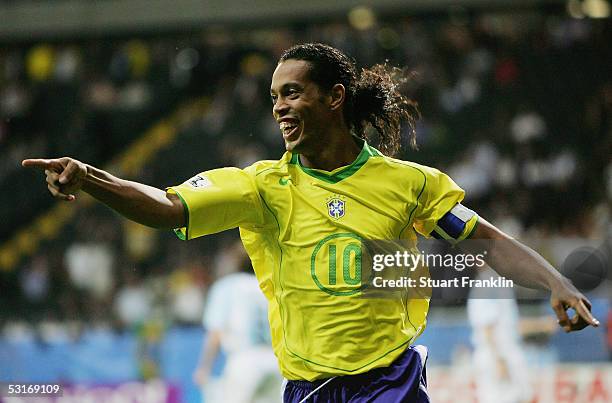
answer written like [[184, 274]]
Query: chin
[[294, 146]]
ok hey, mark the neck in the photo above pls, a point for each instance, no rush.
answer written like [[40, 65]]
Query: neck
[[339, 151]]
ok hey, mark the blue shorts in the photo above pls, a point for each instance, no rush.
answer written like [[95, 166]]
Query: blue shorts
[[403, 381]]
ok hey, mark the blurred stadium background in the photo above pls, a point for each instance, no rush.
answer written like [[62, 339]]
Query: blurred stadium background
[[516, 98]]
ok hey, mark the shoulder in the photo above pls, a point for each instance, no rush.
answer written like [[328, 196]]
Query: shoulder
[[405, 170], [410, 166], [266, 167], [267, 173]]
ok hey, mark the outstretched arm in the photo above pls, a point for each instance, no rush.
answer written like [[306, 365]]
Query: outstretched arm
[[141, 203], [526, 267]]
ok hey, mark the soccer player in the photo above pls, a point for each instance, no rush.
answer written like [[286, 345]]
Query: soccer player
[[500, 367], [236, 322], [302, 218]]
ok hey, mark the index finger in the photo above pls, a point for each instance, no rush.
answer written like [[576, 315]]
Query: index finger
[[585, 313], [37, 163]]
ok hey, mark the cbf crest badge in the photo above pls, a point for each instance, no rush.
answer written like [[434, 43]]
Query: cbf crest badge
[[336, 207]]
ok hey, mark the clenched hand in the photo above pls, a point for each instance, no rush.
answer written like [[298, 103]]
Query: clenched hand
[[64, 175]]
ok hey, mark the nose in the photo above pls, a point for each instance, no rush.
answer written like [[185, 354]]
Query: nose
[[279, 108]]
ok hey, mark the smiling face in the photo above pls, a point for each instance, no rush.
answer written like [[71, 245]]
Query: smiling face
[[301, 108]]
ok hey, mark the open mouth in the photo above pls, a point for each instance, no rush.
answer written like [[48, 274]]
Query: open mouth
[[289, 129]]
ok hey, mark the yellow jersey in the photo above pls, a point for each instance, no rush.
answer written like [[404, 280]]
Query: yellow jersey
[[302, 229]]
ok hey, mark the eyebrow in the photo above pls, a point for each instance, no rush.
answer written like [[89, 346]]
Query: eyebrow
[[288, 85]]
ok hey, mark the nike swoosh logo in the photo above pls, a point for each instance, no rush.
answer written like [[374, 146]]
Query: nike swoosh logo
[[284, 181]]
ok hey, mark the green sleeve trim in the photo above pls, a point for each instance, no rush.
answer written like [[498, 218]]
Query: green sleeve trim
[[444, 235], [178, 231], [179, 234], [473, 229]]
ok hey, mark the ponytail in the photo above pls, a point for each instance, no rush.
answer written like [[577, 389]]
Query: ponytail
[[372, 97], [377, 101]]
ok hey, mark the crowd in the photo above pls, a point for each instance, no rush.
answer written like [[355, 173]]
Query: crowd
[[515, 107]]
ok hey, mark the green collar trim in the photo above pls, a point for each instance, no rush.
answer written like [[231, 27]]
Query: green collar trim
[[338, 174]]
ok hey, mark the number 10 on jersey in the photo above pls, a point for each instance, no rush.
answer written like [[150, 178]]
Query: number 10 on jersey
[[335, 264]]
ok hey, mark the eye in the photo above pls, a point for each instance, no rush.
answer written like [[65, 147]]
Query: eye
[[292, 93], [273, 98]]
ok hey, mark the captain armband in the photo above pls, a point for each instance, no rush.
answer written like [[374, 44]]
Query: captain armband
[[456, 225]]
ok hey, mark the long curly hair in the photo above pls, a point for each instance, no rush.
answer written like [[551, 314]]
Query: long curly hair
[[373, 96]]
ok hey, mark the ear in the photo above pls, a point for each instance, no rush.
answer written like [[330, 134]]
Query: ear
[[338, 94]]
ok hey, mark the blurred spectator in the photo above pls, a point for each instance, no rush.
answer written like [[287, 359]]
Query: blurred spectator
[[236, 321], [475, 172], [150, 337], [90, 266], [186, 289], [500, 366], [527, 126], [133, 301], [35, 282], [40, 62], [140, 242], [67, 64]]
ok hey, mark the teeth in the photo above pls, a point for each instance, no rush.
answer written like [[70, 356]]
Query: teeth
[[287, 125]]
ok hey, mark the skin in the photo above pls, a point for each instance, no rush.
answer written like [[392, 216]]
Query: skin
[[144, 204], [323, 139], [211, 347], [324, 142], [527, 268]]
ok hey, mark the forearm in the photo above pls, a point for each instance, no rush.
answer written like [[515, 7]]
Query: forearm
[[516, 261], [141, 203], [210, 350], [521, 264]]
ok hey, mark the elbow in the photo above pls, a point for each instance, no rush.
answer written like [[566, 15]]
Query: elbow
[[163, 218], [173, 214]]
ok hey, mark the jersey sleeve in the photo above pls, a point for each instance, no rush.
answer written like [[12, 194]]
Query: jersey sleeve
[[218, 200], [439, 195]]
